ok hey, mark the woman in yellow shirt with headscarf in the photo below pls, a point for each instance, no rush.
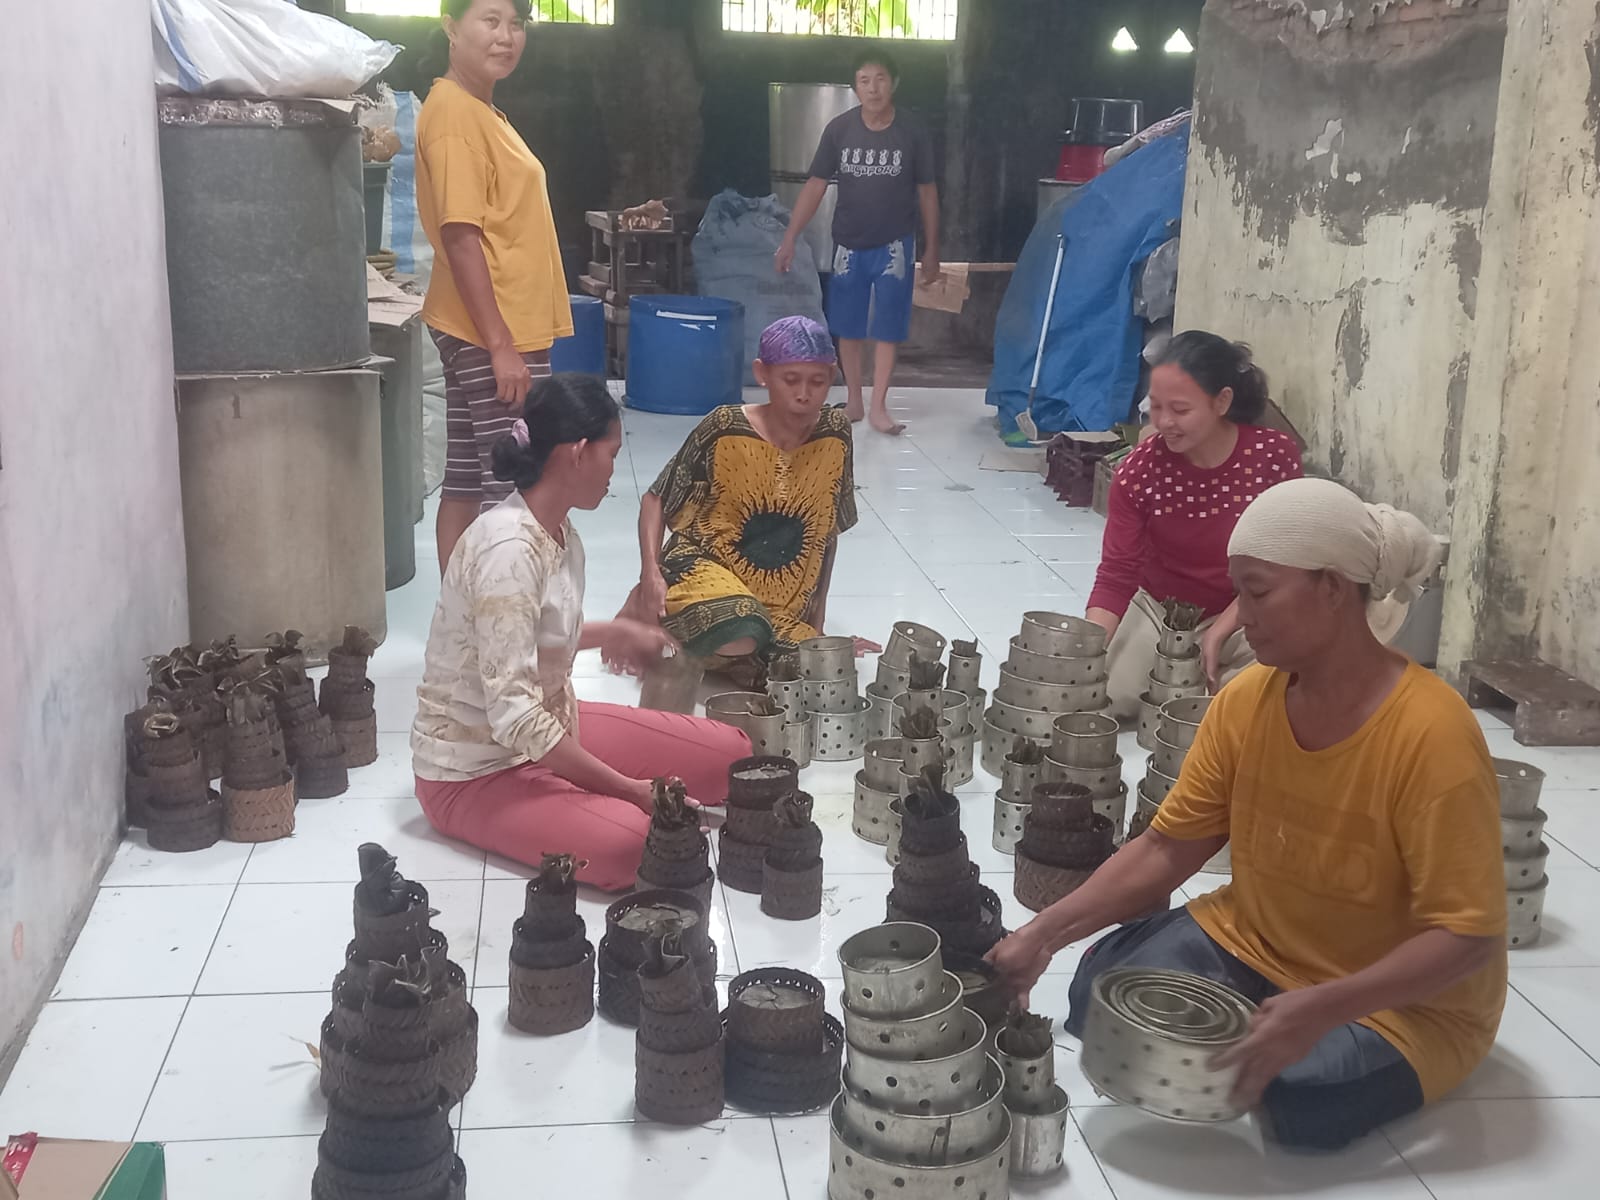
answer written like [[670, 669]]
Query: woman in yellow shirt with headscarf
[[1367, 911]]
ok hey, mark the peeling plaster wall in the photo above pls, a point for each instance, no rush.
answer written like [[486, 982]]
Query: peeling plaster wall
[[1336, 189]]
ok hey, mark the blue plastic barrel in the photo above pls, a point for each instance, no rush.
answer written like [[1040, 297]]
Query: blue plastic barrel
[[585, 350], [685, 353]]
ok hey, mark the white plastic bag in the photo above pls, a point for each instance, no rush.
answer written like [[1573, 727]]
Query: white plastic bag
[[260, 48]]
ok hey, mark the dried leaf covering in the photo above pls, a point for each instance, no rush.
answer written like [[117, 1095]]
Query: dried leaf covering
[[1026, 753], [920, 724], [383, 891], [1181, 616], [283, 645], [784, 668], [401, 984], [358, 643], [793, 811], [1028, 1035], [671, 801], [927, 674], [162, 725], [960, 649], [663, 951], [557, 874], [247, 705], [764, 706], [927, 799]]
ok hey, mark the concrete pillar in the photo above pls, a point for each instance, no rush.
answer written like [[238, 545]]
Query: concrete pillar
[[1524, 575]]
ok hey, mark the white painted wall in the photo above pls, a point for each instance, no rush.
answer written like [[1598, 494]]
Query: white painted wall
[[91, 537]]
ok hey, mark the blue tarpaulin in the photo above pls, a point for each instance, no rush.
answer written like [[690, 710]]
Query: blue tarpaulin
[[1091, 351]]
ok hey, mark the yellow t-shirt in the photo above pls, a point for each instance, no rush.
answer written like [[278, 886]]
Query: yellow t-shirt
[[1340, 855], [474, 168]]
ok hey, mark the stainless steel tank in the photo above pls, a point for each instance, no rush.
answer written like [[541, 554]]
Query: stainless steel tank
[[797, 113], [283, 505]]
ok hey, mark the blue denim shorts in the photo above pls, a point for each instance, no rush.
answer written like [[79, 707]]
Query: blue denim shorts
[[869, 293]]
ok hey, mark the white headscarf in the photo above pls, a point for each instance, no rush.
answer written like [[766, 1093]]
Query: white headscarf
[[1316, 525]]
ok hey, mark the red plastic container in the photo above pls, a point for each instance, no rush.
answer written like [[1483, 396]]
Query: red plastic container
[[1080, 164]]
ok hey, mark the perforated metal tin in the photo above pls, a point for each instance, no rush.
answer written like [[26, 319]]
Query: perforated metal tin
[[1178, 643], [1167, 758], [1114, 808], [907, 636], [1179, 722], [930, 1139], [767, 734], [1039, 1137], [1028, 1077], [829, 695], [998, 742], [1056, 668], [907, 1039], [1085, 739], [890, 969], [1008, 824], [1151, 1037], [855, 1174], [870, 817], [1524, 908], [881, 763], [789, 695], [1023, 693], [892, 680], [1101, 781], [1184, 672], [1157, 783], [797, 738], [1017, 780], [1057, 633], [1526, 872], [880, 711], [1521, 836], [839, 737], [939, 1074], [828, 658], [1030, 722], [963, 749], [1520, 785], [964, 673], [1149, 722], [1162, 693]]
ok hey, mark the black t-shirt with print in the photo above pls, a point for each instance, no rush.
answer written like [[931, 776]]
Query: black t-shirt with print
[[877, 171]]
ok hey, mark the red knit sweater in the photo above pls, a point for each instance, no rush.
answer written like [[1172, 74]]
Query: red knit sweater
[[1169, 521]]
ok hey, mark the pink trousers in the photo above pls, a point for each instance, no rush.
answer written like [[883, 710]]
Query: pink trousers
[[525, 812]]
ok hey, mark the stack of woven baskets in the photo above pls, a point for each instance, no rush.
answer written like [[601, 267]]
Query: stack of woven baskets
[[782, 1049], [1056, 666], [678, 1050], [922, 1111], [399, 1049], [552, 959], [936, 883], [791, 874], [180, 809], [348, 697], [754, 786], [630, 924], [309, 738], [1064, 841], [258, 797], [676, 855]]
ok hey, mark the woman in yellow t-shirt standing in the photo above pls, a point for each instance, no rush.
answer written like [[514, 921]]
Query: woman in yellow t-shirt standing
[[497, 300], [1367, 911]]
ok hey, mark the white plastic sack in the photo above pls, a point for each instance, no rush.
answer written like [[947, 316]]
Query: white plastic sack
[[260, 48]]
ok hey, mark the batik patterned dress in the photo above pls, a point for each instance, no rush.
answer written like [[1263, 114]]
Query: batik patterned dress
[[751, 529]]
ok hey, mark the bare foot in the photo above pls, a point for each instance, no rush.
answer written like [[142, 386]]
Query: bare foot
[[855, 411], [884, 423]]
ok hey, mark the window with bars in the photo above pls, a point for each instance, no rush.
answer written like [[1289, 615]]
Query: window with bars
[[928, 20], [555, 12]]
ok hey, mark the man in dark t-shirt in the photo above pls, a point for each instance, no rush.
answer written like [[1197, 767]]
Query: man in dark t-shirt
[[883, 164]]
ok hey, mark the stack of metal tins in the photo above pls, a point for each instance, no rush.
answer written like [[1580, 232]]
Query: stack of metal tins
[[922, 1111], [1056, 666], [1522, 841], [1178, 674], [830, 693]]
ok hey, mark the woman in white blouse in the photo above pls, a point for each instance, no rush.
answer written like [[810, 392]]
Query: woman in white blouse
[[506, 757]]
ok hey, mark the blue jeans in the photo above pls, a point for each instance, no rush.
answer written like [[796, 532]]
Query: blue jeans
[[1352, 1081], [869, 293]]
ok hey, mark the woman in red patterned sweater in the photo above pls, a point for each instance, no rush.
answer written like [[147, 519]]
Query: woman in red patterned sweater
[[1174, 502]]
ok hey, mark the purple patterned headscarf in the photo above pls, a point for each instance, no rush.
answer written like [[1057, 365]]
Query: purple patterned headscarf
[[796, 340]]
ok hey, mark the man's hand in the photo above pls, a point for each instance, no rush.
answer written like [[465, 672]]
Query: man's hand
[[1021, 959], [932, 269], [1284, 1030], [784, 258], [512, 379], [630, 646]]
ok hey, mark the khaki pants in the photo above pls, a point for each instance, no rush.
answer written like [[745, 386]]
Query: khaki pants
[[1132, 655]]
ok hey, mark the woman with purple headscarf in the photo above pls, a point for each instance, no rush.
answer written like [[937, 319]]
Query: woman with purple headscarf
[[755, 501]]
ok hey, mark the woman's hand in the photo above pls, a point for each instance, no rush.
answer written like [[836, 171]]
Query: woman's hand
[[1284, 1030], [867, 646], [784, 258], [630, 646], [640, 793], [653, 592], [1021, 959], [512, 379], [1211, 642]]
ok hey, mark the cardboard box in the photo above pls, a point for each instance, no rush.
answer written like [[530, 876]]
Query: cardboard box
[[76, 1170]]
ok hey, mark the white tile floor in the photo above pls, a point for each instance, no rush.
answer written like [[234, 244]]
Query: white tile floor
[[185, 1012]]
